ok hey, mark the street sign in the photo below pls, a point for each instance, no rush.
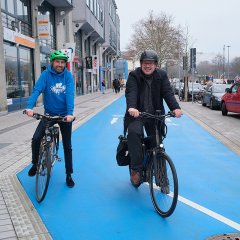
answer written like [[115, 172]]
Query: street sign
[[94, 64], [43, 27]]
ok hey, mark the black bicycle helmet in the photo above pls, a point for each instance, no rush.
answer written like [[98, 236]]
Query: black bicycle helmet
[[149, 55]]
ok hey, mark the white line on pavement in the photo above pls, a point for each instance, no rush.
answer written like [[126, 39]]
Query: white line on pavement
[[210, 213], [114, 120], [207, 211]]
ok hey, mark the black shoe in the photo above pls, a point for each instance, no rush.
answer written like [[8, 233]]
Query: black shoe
[[69, 181], [32, 171]]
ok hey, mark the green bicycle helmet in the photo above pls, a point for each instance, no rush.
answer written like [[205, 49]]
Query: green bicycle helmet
[[60, 55]]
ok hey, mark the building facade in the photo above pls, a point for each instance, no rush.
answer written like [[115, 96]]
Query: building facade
[[88, 30]]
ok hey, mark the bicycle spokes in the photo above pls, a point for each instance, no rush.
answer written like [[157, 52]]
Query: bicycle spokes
[[163, 185], [43, 174]]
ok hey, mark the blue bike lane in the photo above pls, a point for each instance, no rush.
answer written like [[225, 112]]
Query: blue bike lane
[[104, 205]]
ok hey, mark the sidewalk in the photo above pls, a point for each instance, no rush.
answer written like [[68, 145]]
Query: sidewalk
[[18, 217]]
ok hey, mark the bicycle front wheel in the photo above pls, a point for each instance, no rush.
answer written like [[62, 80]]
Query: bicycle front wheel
[[163, 184], [43, 173]]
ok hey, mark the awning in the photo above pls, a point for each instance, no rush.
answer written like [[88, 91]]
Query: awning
[[57, 3]]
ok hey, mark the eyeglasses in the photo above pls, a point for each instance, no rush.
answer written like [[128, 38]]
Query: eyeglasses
[[151, 63]]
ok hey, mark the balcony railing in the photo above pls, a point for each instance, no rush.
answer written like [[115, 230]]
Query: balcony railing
[[16, 24]]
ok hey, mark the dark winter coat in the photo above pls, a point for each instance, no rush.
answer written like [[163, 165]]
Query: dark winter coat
[[160, 89]]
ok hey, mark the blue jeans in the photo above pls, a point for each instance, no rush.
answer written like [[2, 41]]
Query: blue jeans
[[66, 131]]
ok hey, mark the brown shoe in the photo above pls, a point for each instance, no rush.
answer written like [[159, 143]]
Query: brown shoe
[[135, 178]]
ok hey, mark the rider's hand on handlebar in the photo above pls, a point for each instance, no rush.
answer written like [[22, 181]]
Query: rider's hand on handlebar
[[178, 113], [133, 112], [69, 118], [29, 112]]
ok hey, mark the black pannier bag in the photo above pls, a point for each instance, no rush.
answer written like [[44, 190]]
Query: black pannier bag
[[122, 155]]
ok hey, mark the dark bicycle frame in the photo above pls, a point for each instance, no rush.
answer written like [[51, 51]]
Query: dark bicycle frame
[[152, 155], [49, 143]]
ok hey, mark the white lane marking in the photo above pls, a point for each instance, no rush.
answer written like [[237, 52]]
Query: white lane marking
[[210, 213], [170, 122], [114, 120], [207, 211], [118, 115]]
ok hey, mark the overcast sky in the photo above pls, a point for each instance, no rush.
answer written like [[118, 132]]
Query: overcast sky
[[211, 23]]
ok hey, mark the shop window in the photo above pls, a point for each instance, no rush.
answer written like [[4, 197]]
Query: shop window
[[10, 55], [26, 71]]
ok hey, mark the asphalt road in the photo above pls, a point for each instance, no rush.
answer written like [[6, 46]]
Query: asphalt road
[[225, 128]]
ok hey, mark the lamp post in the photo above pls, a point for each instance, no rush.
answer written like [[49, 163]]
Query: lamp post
[[223, 62], [228, 60]]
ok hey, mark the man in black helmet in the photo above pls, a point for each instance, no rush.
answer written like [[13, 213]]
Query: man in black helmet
[[146, 88]]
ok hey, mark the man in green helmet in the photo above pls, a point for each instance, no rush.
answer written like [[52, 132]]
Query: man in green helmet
[[57, 86]]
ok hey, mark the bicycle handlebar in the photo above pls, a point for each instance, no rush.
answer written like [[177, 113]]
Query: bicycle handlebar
[[39, 116], [157, 116]]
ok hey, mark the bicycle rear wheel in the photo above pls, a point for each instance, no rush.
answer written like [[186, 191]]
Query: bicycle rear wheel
[[163, 184], [43, 173]]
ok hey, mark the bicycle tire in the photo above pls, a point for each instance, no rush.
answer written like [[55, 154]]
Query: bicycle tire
[[164, 198], [43, 172]]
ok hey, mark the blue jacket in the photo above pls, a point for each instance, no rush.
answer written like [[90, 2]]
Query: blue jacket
[[58, 92]]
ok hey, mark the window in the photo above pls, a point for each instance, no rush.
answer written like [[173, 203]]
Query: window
[[22, 9], [3, 5], [234, 89], [10, 6], [98, 11], [88, 2], [10, 55], [26, 71], [91, 5]]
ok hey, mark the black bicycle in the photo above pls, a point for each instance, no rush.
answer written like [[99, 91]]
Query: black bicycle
[[159, 170], [48, 153]]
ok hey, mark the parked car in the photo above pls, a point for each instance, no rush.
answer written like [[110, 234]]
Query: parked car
[[213, 95], [231, 99], [195, 89]]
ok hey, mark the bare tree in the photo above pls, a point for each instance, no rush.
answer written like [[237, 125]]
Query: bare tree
[[217, 66], [157, 33], [235, 67]]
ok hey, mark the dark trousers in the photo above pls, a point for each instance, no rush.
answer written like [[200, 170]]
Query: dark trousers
[[135, 134], [66, 131]]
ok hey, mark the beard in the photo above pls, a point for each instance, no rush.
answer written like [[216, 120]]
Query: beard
[[58, 69]]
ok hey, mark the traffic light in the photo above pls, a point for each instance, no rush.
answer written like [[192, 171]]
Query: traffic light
[[185, 62], [193, 58], [88, 62]]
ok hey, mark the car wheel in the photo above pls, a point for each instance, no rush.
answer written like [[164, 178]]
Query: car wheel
[[224, 109], [203, 103], [211, 104]]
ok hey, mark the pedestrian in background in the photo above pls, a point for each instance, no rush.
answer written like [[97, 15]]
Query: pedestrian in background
[[57, 86], [103, 86], [116, 85]]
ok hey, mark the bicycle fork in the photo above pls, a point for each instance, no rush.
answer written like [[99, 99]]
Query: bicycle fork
[[160, 171]]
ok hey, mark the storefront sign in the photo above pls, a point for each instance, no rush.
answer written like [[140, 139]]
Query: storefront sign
[[19, 38], [9, 101], [43, 27], [69, 53]]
